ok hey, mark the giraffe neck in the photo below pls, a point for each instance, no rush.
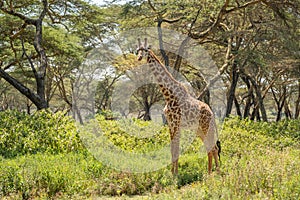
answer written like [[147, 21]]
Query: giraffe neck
[[169, 86]]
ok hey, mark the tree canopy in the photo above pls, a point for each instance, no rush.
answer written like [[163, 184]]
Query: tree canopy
[[254, 44]]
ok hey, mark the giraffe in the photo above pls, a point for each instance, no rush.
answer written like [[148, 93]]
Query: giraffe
[[182, 110]]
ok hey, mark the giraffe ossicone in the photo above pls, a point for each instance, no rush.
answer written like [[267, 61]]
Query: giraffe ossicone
[[182, 110]]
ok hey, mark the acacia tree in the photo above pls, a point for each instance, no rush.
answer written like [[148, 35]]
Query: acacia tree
[[246, 35], [269, 58], [254, 44], [47, 40], [191, 18], [38, 69], [147, 96]]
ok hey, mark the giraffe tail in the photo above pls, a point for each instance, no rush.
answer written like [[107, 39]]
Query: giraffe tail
[[218, 143]]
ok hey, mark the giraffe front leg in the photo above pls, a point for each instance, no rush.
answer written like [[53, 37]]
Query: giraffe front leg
[[175, 140]]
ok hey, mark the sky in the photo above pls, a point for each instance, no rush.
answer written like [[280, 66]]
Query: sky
[[101, 2], [98, 2]]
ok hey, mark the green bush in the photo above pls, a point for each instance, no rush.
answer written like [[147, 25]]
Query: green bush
[[261, 135], [259, 161], [43, 131], [45, 175], [134, 135]]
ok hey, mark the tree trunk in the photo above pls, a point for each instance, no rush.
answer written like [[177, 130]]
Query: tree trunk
[[161, 45], [279, 103], [279, 110], [260, 102], [248, 105], [39, 102], [297, 106], [255, 112], [249, 97], [39, 72], [231, 93], [76, 113], [179, 56], [261, 107], [147, 115], [205, 97], [287, 110], [237, 107]]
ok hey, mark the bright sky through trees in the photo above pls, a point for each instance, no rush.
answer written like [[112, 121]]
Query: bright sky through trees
[[98, 2], [103, 2]]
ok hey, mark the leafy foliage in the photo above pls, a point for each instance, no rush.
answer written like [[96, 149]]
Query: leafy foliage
[[259, 160], [124, 134], [41, 132]]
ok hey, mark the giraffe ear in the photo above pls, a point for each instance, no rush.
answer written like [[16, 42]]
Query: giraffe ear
[[149, 47], [136, 50], [145, 43], [139, 42]]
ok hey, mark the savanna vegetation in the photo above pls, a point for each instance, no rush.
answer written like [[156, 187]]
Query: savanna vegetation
[[46, 46], [259, 160]]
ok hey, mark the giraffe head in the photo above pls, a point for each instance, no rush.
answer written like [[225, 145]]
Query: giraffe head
[[142, 49]]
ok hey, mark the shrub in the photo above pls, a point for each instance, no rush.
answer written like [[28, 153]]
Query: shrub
[[45, 175], [43, 131], [259, 160]]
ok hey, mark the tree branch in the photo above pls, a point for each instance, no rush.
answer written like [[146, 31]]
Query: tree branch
[[228, 59], [243, 6], [220, 15], [29, 60], [45, 10], [180, 54], [19, 31], [20, 87], [172, 21], [10, 64], [277, 11], [40, 74], [194, 21], [151, 6], [27, 20]]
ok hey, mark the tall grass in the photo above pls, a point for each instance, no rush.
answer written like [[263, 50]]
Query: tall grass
[[259, 161]]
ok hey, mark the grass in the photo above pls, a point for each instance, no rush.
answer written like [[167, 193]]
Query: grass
[[259, 161]]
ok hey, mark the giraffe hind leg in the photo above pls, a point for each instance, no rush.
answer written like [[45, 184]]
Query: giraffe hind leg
[[210, 159], [213, 155], [174, 169], [216, 158]]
